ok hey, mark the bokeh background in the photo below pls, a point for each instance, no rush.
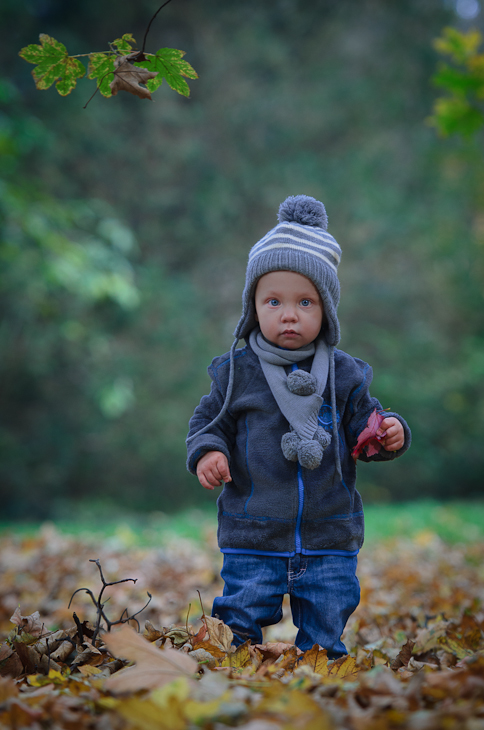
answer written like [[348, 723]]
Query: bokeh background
[[125, 229]]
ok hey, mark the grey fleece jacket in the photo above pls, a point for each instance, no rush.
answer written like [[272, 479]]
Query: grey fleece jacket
[[272, 505]]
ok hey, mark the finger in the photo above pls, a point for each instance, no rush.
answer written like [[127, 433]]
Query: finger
[[223, 470], [385, 425], [393, 444], [213, 477], [391, 432], [209, 477], [203, 481]]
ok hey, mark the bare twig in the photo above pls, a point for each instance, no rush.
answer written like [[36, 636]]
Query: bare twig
[[99, 605], [149, 24], [201, 603], [88, 590], [188, 613], [80, 630]]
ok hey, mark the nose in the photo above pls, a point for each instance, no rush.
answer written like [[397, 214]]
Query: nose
[[289, 314]]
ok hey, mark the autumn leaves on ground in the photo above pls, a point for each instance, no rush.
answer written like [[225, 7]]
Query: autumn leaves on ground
[[416, 642]]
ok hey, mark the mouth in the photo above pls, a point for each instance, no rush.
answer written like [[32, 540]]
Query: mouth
[[289, 333]]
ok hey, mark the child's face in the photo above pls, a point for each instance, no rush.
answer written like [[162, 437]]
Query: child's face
[[289, 309]]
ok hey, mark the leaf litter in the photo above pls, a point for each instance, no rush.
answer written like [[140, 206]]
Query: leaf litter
[[416, 643]]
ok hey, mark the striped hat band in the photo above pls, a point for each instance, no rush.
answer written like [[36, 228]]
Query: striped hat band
[[313, 241]]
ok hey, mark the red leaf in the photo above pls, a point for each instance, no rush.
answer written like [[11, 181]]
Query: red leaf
[[368, 440]]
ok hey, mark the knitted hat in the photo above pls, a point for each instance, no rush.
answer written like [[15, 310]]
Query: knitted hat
[[300, 243]]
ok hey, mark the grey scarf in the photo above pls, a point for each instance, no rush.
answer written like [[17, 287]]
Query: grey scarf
[[298, 395]]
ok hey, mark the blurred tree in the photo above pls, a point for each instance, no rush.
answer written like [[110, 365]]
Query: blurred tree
[[65, 274]]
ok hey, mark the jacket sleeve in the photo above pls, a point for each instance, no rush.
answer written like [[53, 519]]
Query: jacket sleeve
[[220, 437], [360, 407]]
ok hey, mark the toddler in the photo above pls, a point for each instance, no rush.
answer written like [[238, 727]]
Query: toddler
[[278, 430]]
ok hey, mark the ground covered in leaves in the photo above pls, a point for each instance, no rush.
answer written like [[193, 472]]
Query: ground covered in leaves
[[416, 642]]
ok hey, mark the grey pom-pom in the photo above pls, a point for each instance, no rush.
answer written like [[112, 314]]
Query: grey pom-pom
[[305, 210], [322, 437], [300, 382], [310, 454], [289, 444]]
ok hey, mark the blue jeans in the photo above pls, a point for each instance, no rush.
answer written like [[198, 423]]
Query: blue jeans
[[324, 591]]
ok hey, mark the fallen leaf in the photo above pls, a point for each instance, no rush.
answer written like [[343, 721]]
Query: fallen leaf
[[200, 635], [220, 634], [8, 689], [144, 714], [154, 667], [238, 659], [343, 667], [27, 624], [150, 633], [403, 657], [204, 657], [316, 659], [88, 671]]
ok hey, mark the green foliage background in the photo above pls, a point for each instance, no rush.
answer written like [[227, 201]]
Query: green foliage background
[[125, 228]]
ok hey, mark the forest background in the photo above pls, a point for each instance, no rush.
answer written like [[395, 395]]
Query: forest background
[[125, 229]]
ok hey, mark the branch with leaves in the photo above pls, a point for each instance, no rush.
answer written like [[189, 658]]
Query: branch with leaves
[[121, 68], [461, 111]]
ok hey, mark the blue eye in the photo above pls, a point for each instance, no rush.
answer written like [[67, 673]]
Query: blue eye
[[305, 302], [273, 302]]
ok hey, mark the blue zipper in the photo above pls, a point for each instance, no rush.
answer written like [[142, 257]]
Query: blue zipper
[[300, 490], [300, 493]]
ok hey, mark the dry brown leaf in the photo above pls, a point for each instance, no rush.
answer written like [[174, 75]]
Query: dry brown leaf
[[471, 631], [128, 78], [88, 671], [343, 667], [89, 654], [150, 633], [200, 635], [27, 624], [49, 644], [220, 634], [8, 689], [274, 649], [316, 659], [204, 657], [32, 661], [62, 652], [403, 657], [238, 659], [212, 649], [10, 664], [154, 667]]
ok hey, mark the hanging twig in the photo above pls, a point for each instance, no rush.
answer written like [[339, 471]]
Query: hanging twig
[[149, 25]]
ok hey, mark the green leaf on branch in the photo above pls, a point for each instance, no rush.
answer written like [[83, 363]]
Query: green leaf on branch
[[101, 67], [456, 116], [53, 65], [125, 44], [461, 112], [170, 66], [457, 82], [459, 46]]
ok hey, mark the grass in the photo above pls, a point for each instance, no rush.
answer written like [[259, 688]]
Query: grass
[[453, 522]]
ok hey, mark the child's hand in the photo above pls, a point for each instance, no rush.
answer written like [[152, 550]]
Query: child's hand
[[213, 470], [390, 434]]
